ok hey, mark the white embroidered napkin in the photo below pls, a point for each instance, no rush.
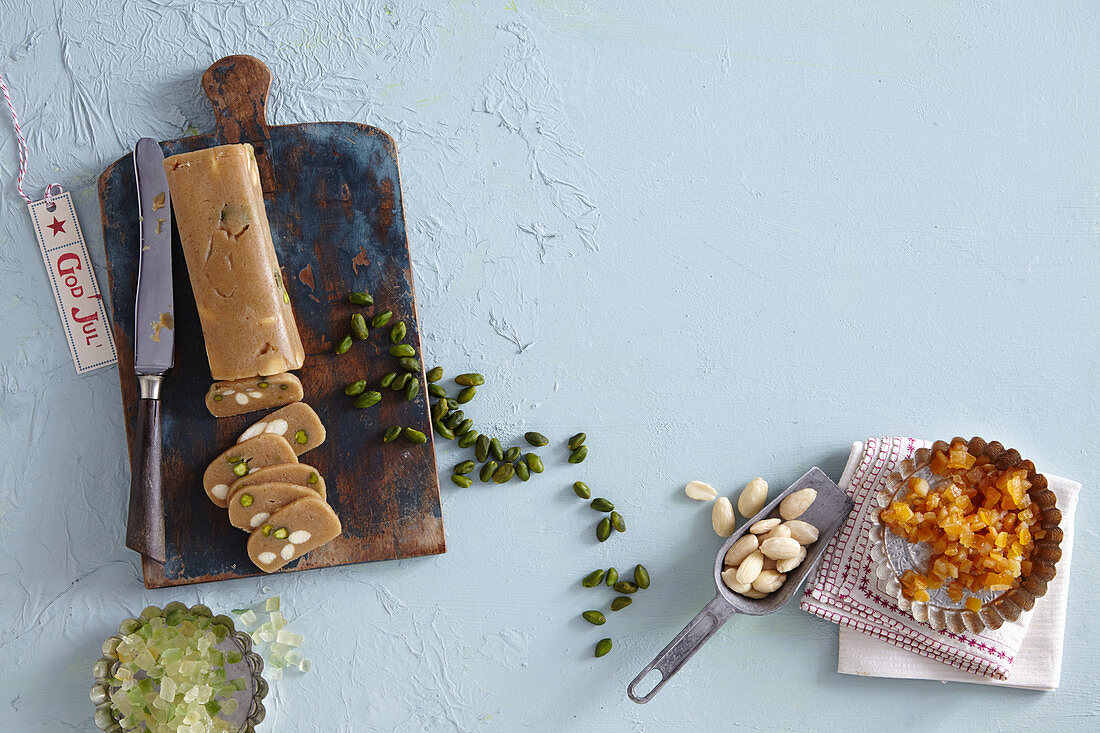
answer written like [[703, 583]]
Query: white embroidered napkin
[[843, 589]]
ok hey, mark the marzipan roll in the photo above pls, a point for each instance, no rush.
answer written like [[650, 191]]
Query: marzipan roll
[[244, 308]]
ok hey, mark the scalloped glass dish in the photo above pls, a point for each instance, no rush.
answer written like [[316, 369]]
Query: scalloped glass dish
[[249, 711], [894, 555]]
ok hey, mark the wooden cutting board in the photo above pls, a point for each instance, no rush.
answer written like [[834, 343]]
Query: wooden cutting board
[[333, 198]]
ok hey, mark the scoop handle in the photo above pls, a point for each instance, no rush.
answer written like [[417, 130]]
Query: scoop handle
[[680, 649]]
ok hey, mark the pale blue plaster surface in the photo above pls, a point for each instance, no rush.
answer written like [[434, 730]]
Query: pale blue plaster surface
[[725, 239]]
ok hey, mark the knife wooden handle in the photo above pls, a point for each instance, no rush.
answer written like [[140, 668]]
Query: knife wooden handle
[[145, 519], [238, 87]]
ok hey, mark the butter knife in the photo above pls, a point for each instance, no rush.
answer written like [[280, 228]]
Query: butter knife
[[154, 352]]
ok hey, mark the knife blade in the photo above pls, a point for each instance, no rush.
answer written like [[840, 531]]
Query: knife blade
[[154, 319], [154, 348]]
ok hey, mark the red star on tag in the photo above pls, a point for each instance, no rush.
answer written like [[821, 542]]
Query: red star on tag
[[57, 226]]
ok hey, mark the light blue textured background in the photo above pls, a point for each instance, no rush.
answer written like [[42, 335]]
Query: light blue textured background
[[725, 239]]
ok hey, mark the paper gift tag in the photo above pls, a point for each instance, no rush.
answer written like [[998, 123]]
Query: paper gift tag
[[74, 286]]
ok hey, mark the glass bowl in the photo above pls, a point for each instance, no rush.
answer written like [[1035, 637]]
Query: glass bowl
[[893, 555], [250, 711]]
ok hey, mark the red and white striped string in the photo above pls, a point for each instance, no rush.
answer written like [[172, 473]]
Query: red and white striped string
[[23, 148]]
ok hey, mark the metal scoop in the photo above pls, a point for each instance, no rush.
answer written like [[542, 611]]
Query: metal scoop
[[829, 510]]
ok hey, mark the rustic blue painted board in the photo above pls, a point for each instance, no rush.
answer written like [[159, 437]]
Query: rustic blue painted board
[[333, 200]]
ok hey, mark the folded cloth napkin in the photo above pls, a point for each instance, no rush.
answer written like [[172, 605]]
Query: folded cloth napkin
[[880, 639]]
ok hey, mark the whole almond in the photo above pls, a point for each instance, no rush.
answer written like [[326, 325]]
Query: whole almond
[[700, 491], [779, 531], [721, 517], [765, 525], [753, 497], [741, 549], [796, 503], [750, 567], [769, 564], [786, 566], [768, 581], [804, 532], [729, 577], [754, 593], [780, 548]]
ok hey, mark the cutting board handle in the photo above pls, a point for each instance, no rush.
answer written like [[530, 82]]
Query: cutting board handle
[[238, 87]]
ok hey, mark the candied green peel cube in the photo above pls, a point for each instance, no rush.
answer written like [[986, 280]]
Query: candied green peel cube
[[171, 675], [272, 639]]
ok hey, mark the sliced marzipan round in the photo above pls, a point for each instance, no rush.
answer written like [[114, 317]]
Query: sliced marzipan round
[[302, 474], [225, 399], [297, 422], [272, 544], [238, 460], [251, 505]]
